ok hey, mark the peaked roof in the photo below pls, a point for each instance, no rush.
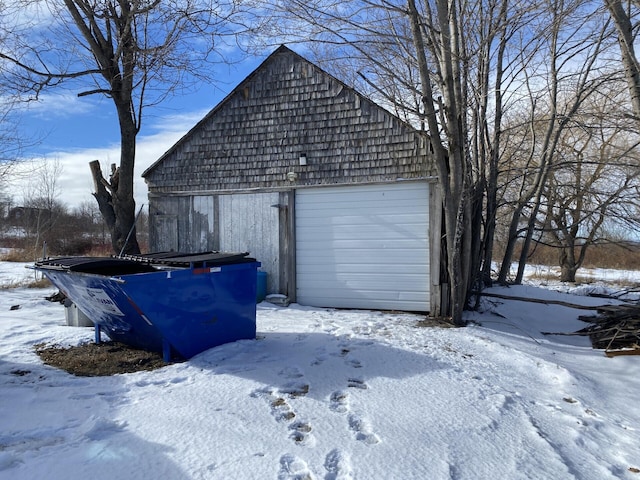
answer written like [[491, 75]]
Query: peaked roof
[[212, 112], [281, 49]]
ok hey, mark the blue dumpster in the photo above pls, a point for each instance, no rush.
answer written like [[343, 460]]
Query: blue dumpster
[[167, 302]]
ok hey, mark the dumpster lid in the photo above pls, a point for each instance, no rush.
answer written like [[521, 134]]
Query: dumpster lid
[[177, 259], [131, 264], [98, 265]]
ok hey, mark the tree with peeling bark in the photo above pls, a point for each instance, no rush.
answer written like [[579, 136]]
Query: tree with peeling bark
[[134, 52]]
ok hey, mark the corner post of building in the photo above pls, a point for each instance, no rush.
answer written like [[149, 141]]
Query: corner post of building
[[435, 250]]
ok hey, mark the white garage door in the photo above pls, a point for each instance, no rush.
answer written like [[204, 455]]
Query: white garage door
[[363, 246]]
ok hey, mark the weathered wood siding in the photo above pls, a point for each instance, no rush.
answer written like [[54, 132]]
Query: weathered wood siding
[[193, 219], [249, 223], [230, 223], [286, 108]]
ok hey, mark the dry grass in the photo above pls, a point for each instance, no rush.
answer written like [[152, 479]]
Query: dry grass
[[614, 256], [31, 254], [99, 359], [550, 274], [35, 283], [20, 255], [41, 283], [438, 322]]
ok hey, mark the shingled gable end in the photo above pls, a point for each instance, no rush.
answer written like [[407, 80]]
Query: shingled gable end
[[332, 193]]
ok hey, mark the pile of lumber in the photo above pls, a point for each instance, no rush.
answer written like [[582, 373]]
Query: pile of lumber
[[615, 328]]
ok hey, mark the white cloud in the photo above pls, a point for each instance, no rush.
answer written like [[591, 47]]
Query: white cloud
[[60, 105], [75, 184]]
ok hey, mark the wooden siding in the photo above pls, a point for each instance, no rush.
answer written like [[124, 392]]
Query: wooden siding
[[230, 223], [193, 218], [249, 223], [287, 107]]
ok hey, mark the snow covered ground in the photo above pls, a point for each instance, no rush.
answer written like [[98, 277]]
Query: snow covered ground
[[328, 394]]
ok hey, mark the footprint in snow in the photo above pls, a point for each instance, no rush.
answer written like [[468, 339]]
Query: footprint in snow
[[293, 468], [295, 389], [338, 466], [339, 403], [319, 360], [355, 363], [280, 408], [331, 328], [291, 372], [346, 346], [282, 411], [362, 429], [301, 433], [355, 382]]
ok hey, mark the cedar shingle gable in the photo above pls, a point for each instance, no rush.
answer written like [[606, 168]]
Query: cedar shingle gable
[[287, 107]]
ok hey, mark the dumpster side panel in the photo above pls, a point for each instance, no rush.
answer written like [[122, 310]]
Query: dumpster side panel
[[191, 310], [198, 309], [103, 300]]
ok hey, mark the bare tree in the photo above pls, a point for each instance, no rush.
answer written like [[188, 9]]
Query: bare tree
[[9, 140], [626, 22], [87, 216], [41, 199], [494, 84], [441, 29], [134, 52], [13, 141], [570, 64], [596, 178]]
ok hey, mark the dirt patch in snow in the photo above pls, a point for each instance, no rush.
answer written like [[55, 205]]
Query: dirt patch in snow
[[99, 359]]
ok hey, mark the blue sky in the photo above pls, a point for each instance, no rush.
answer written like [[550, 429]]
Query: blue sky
[[76, 130]]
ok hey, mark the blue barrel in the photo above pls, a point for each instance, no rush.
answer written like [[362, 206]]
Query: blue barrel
[[261, 292], [180, 304]]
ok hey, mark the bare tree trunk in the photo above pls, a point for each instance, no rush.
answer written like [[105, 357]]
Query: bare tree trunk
[[133, 52], [451, 161], [117, 214], [568, 266], [512, 238], [583, 84], [491, 207], [627, 51], [115, 198]]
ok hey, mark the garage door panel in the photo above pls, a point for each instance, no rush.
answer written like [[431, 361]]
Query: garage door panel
[[371, 206], [369, 284], [363, 246], [373, 302], [346, 194], [351, 265], [372, 250], [398, 227], [365, 210]]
